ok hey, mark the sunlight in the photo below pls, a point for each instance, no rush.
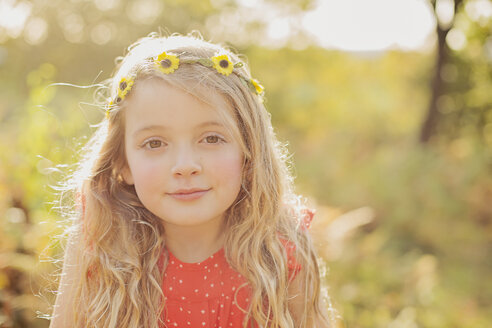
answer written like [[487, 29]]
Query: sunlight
[[479, 10], [13, 16], [360, 25], [348, 25]]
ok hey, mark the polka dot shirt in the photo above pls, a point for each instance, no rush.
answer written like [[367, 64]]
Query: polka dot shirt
[[203, 294]]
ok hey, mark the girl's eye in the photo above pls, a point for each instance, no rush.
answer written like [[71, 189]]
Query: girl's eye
[[212, 139], [153, 143]]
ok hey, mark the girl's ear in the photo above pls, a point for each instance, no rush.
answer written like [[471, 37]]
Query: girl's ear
[[127, 176]]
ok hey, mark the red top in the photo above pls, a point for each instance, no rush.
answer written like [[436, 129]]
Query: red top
[[203, 294]]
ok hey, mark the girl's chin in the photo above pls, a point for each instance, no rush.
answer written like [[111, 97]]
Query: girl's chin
[[189, 219]]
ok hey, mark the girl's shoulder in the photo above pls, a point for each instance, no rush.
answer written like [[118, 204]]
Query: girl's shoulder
[[307, 217], [290, 247]]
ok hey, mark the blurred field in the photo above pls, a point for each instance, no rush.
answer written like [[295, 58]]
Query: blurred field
[[403, 227]]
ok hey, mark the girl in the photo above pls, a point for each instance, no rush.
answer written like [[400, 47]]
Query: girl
[[188, 216]]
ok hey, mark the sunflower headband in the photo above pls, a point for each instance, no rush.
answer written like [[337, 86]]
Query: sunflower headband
[[167, 64]]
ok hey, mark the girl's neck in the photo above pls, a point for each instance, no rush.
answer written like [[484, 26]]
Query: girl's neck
[[192, 244]]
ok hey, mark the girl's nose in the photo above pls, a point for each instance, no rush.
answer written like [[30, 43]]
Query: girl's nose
[[187, 163]]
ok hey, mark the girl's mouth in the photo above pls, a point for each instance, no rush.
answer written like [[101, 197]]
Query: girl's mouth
[[188, 194]]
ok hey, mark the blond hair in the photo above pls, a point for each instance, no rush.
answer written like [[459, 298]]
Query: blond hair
[[122, 241]]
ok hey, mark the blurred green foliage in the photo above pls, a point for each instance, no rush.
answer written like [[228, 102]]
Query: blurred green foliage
[[404, 228]]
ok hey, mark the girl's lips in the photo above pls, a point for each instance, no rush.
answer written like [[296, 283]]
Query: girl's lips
[[189, 194]]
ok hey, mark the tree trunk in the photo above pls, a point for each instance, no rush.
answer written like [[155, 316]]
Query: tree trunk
[[429, 125], [437, 85]]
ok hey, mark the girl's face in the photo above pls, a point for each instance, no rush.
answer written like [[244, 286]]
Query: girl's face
[[182, 158]]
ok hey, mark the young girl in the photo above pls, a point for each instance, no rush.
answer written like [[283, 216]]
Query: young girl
[[187, 212]]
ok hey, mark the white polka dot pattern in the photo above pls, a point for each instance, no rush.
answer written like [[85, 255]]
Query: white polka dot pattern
[[209, 293]]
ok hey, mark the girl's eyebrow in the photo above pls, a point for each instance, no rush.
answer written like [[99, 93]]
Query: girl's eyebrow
[[162, 127]]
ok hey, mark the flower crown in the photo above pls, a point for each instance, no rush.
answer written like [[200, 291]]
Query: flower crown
[[167, 64]]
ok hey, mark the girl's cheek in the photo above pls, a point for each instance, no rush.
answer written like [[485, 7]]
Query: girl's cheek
[[144, 169], [230, 166]]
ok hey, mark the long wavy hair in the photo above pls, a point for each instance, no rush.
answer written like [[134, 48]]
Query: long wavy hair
[[120, 241]]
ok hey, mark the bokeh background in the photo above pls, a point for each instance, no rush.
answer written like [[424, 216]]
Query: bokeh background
[[385, 104]]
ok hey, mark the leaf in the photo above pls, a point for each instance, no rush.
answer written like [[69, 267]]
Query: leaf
[[206, 62]]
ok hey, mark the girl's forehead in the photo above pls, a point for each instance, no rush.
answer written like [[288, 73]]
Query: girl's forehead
[[153, 86], [154, 99]]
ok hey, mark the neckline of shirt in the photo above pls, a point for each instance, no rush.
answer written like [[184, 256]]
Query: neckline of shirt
[[214, 258]]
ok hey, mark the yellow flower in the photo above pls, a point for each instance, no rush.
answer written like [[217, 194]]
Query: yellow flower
[[222, 64], [124, 87], [166, 63], [258, 87]]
